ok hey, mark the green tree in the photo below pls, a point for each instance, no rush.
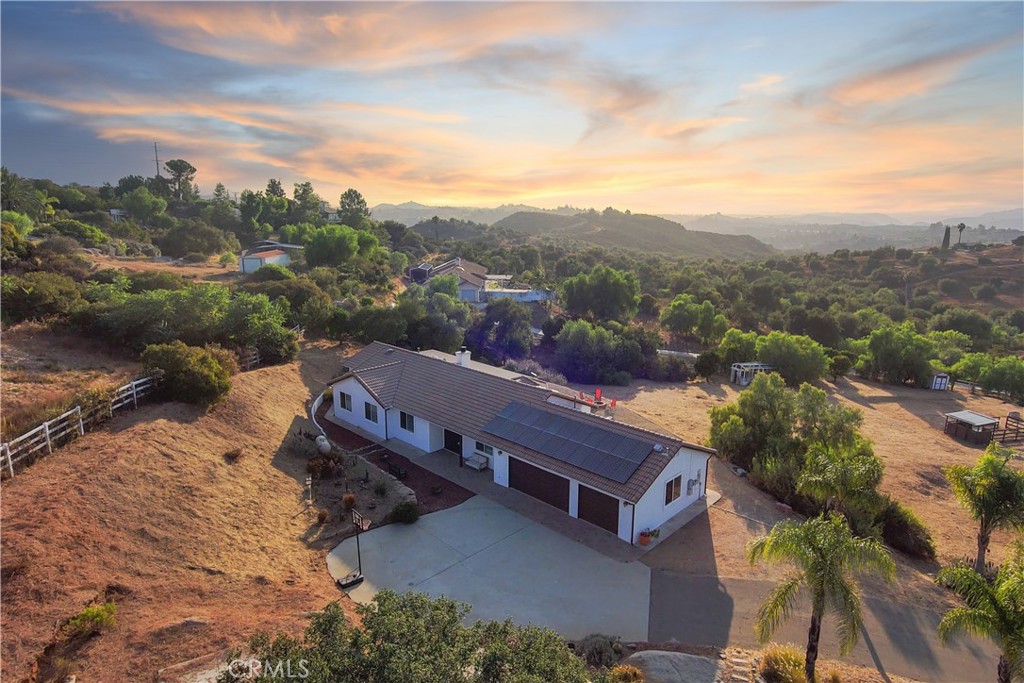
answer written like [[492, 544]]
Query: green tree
[[275, 188], [181, 181], [737, 347], [760, 419], [993, 492], [39, 295], [841, 476], [604, 293], [993, 610], [352, 208], [142, 205], [797, 358], [305, 207], [444, 284], [19, 221], [945, 238], [331, 245], [826, 554], [1004, 374], [191, 374], [839, 365], [898, 354], [680, 316]]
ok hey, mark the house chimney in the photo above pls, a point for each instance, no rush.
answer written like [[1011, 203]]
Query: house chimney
[[462, 357]]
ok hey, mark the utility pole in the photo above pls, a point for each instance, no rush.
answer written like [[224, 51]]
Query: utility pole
[[156, 159]]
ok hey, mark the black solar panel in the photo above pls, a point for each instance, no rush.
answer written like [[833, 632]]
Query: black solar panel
[[589, 447]]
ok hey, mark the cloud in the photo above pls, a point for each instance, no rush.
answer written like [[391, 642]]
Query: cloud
[[911, 78], [365, 36], [763, 83]]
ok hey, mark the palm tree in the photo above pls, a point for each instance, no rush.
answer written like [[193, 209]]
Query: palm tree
[[825, 553], [994, 610], [840, 476], [960, 228], [992, 492]]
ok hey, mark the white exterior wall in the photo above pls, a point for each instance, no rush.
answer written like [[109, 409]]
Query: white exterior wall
[[253, 262], [651, 511], [469, 448], [420, 437], [359, 395], [574, 498], [500, 466]]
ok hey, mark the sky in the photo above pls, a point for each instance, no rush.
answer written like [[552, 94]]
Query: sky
[[686, 108]]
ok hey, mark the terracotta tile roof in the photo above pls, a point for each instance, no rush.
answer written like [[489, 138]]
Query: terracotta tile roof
[[465, 400]]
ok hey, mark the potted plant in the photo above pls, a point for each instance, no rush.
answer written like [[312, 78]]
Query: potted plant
[[645, 537]]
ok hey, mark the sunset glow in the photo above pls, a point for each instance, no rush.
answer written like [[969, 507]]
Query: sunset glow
[[663, 107]]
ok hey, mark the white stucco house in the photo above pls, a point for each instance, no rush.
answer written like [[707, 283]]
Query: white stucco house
[[538, 438]]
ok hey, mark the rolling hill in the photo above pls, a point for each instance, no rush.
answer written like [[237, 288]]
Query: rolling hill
[[642, 232]]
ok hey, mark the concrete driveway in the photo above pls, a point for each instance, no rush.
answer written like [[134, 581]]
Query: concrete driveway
[[505, 566]]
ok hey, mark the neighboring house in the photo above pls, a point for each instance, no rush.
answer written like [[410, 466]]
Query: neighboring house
[[744, 373], [475, 284], [532, 436], [250, 263]]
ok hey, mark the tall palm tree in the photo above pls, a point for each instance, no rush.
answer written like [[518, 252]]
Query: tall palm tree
[[825, 553], [840, 476], [992, 492], [994, 610]]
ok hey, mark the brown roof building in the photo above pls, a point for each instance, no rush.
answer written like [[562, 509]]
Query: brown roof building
[[536, 437]]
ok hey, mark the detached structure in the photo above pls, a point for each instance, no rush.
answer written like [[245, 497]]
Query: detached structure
[[528, 435], [971, 427], [743, 373], [265, 252], [475, 284]]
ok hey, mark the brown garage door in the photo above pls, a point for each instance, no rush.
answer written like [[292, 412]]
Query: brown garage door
[[599, 509], [541, 484]]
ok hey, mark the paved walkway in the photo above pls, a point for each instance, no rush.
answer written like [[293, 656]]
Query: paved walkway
[[896, 639], [505, 566]]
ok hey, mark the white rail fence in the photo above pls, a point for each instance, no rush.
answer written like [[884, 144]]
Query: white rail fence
[[54, 433]]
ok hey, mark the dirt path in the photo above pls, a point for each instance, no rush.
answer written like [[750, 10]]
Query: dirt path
[[201, 551]]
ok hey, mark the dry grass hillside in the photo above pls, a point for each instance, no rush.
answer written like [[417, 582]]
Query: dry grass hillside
[[198, 551], [43, 367]]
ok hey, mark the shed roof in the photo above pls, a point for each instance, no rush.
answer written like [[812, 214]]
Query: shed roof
[[465, 400], [264, 254], [972, 418]]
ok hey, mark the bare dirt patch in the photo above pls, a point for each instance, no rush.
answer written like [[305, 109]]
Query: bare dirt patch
[[905, 425], [44, 367], [201, 272], [205, 549]]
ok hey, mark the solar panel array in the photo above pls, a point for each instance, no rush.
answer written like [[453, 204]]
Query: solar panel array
[[587, 446]]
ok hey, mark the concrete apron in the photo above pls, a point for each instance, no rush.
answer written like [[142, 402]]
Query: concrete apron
[[505, 566]]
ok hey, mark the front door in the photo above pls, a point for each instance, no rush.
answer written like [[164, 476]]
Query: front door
[[453, 442]]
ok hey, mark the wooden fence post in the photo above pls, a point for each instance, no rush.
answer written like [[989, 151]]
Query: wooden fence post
[[135, 394], [81, 426], [46, 433], [6, 452]]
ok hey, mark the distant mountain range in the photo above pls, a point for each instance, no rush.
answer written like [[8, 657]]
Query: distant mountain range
[[822, 232]]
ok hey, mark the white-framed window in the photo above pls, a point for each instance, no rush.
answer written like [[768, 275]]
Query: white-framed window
[[673, 488], [370, 411], [408, 422], [345, 400], [484, 448]]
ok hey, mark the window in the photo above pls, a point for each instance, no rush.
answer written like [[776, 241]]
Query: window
[[673, 488], [408, 422], [370, 411], [346, 400], [484, 448]]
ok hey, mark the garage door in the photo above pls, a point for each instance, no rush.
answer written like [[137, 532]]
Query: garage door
[[541, 484], [599, 509]]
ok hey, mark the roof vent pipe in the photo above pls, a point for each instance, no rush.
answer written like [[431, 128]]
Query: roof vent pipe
[[462, 357]]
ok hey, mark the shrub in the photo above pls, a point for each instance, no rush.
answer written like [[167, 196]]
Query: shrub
[[234, 455], [950, 287], [985, 291], [707, 363], [320, 466], [406, 512], [839, 366], [227, 259], [833, 676], [903, 530], [348, 501], [189, 373], [596, 650], [624, 673], [195, 257], [86, 235], [782, 664], [93, 619], [271, 271], [321, 517], [380, 487], [36, 296]]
